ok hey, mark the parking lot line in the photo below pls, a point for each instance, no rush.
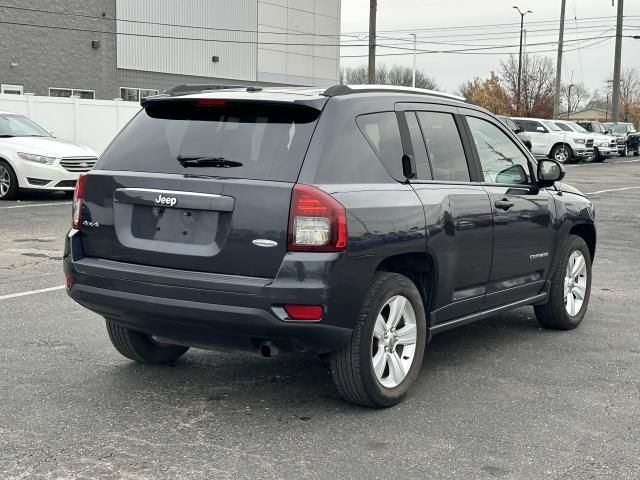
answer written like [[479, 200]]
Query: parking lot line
[[612, 190], [36, 205], [31, 292]]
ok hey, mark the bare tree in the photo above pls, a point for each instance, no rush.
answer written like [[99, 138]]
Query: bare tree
[[396, 75], [630, 95], [579, 96], [538, 75]]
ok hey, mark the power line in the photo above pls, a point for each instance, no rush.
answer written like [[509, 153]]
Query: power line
[[145, 35], [177, 25]]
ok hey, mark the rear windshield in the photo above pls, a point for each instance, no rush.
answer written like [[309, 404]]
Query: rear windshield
[[269, 140]]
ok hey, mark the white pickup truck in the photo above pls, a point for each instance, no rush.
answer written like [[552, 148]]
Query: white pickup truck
[[550, 141]]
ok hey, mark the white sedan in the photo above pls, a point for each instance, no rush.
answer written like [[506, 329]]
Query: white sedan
[[32, 159]]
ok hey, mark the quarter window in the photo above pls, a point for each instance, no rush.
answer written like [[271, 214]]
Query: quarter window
[[423, 171], [383, 134], [502, 161], [444, 147]]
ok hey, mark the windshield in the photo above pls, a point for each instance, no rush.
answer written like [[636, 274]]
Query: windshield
[[19, 126], [552, 126], [619, 128], [262, 141], [577, 128]]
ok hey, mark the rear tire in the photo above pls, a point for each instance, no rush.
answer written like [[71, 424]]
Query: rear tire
[[140, 347], [395, 342], [556, 313], [625, 152], [8, 182]]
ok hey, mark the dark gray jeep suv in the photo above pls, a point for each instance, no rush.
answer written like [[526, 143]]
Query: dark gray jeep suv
[[354, 222]]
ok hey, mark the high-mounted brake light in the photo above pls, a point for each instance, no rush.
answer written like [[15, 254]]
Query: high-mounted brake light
[[317, 221], [78, 200], [210, 102]]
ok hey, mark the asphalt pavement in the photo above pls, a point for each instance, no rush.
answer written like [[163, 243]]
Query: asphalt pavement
[[501, 398]]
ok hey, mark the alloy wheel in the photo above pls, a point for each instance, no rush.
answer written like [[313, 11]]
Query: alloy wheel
[[5, 181], [561, 155], [394, 341], [575, 283]]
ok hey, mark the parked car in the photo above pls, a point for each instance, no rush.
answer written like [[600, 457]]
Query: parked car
[[604, 146], [627, 136], [514, 128], [33, 159], [549, 141], [354, 221]]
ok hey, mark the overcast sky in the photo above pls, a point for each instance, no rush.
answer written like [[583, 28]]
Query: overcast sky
[[592, 65]]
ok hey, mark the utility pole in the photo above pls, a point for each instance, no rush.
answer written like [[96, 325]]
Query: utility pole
[[413, 82], [519, 91], [373, 8], [615, 100], [556, 93]]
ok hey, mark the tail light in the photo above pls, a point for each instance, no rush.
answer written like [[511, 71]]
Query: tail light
[[78, 200], [317, 221]]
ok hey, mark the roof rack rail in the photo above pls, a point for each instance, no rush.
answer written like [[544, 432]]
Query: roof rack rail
[[338, 90], [200, 87]]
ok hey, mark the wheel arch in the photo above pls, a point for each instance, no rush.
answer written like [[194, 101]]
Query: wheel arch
[[420, 268], [588, 233]]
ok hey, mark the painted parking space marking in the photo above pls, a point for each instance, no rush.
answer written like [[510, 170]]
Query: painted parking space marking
[[35, 205], [31, 292], [612, 190]]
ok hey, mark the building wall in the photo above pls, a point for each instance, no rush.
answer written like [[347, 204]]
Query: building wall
[[51, 56], [311, 29], [59, 54], [222, 28]]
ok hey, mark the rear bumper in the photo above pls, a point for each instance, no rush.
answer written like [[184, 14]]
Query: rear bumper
[[209, 310]]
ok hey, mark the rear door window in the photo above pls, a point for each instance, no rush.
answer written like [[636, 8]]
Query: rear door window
[[444, 146], [268, 140], [383, 134]]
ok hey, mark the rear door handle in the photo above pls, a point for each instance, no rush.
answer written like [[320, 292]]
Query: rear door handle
[[504, 204]]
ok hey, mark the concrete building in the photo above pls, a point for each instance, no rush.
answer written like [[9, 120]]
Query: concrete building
[[107, 49], [590, 115]]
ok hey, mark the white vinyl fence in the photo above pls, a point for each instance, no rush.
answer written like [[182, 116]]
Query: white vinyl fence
[[93, 123]]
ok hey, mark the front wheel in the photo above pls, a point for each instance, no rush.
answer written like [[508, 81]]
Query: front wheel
[[8, 182], [562, 154], [384, 355], [625, 152], [570, 288], [140, 347], [598, 157]]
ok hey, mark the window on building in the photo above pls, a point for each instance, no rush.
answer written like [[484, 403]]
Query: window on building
[[72, 92], [11, 89], [136, 94]]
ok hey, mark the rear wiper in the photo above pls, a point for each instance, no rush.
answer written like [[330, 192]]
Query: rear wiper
[[219, 162]]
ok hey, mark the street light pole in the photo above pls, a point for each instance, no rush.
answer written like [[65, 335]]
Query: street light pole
[[413, 82], [519, 91]]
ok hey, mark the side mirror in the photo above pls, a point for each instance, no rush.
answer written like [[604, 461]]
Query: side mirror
[[549, 172], [408, 167], [517, 130], [607, 132], [540, 129]]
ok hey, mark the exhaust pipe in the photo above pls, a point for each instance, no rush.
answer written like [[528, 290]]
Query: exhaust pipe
[[268, 349]]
